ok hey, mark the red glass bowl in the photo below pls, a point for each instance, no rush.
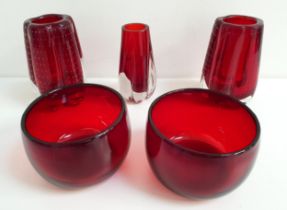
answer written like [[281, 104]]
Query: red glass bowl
[[201, 143], [77, 135]]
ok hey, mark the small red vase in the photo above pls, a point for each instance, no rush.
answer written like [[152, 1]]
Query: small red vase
[[137, 70]]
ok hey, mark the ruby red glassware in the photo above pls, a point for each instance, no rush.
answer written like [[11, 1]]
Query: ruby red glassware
[[201, 143], [53, 51], [76, 135], [232, 60], [137, 70]]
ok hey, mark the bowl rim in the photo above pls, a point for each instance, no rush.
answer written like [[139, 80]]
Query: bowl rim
[[254, 141], [80, 141]]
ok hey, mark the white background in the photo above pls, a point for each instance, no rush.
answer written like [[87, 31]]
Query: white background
[[180, 31]]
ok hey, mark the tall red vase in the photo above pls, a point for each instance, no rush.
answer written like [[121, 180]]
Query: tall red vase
[[232, 60], [137, 70]]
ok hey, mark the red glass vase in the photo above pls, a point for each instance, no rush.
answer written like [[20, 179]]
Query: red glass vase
[[232, 60], [201, 143], [137, 70], [53, 51], [78, 135]]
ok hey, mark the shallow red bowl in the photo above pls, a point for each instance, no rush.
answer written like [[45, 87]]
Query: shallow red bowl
[[77, 135], [201, 143]]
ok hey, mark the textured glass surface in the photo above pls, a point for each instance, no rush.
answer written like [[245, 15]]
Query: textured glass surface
[[53, 51]]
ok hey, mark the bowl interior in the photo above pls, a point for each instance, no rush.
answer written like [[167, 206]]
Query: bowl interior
[[73, 113], [204, 121]]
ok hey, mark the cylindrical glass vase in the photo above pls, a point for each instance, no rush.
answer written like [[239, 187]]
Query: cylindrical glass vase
[[137, 70], [232, 60], [53, 51]]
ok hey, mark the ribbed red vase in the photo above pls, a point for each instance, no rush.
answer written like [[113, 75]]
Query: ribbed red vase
[[137, 71], [53, 51], [232, 60]]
